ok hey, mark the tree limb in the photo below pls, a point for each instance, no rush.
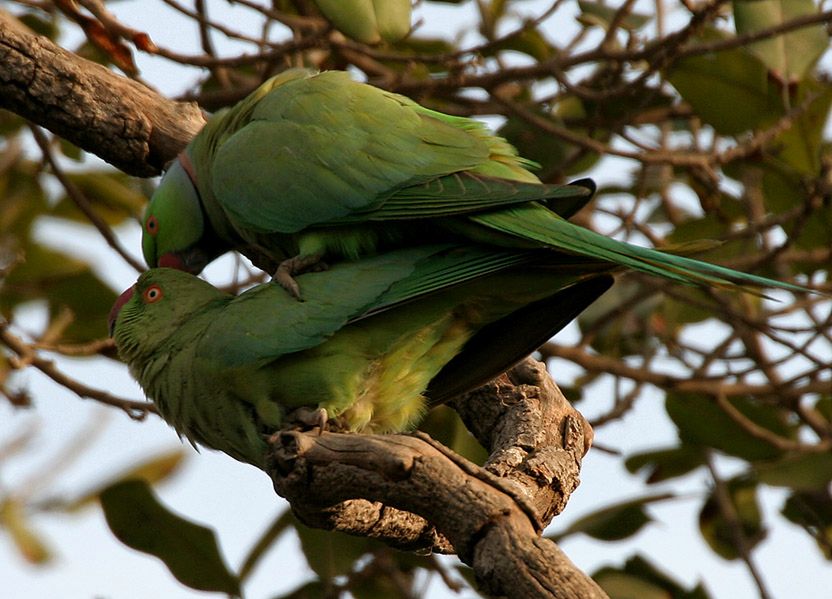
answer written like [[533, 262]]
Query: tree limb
[[413, 493], [118, 119]]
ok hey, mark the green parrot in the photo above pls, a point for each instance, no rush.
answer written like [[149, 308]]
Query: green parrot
[[375, 342], [316, 166]]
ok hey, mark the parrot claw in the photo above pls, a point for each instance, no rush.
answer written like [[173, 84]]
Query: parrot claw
[[308, 418], [286, 271]]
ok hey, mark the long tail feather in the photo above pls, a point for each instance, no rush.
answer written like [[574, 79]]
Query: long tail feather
[[536, 223]]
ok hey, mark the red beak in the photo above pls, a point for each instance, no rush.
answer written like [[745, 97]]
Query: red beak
[[122, 299]]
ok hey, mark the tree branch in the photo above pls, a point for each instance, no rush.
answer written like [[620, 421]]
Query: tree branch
[[137, 410], [118, 119], [413, 493]]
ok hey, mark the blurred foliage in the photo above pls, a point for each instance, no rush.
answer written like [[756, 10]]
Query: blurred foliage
[[189, 550], [696, 131], [638, 578]]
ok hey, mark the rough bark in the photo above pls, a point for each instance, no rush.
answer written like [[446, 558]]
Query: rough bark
[[413, 493], [118, 119]]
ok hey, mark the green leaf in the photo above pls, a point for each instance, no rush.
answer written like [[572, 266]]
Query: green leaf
[[189, 550], [614, 522], [268, 537], [666, 463], [528, 41], [22, 200], [813, 512], [617, 334], [444, 424], [619, 585], [716, 84], [112, 195], [389, 583], [10, 123], [70, 150], [801, 472], [45, 27], [153, 470], [824, 406], [594, 13], [66, 283], [788, 55], [689, 306], [710, 226], [556, 157], [718, 531], [328, 553], [799, 146], [702, 422], [313, 589], [424, 45], [639, 579], [781, 185]]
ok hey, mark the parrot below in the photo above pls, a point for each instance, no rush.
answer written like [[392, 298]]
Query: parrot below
[[313, 168], [375, 343]]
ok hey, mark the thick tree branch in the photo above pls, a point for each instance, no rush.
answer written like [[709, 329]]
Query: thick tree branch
[[413, 493], [118, 119], [535, 436]]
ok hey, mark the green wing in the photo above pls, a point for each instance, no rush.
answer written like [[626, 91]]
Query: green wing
[[323, 149], [266, 322]]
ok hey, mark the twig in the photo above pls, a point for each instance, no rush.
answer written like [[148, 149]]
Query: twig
[[137, 410], [729, 513], [755, 36], [710, 387], [82, 202], [99, 346], [766, 435]]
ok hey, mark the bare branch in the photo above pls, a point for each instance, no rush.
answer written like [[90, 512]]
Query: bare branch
[[83, 203], [138, 410]]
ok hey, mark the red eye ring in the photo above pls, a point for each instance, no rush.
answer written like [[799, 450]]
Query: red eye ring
[[151, 225], [152, 294]]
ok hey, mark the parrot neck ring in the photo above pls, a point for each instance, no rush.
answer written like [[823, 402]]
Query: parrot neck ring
[[188, 167]]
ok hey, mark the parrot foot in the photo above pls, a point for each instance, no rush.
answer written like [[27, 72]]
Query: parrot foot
[[309, 418], [286, 271]]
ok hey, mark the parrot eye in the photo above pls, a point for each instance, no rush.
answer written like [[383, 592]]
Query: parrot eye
[[152, 294], [151, 226]]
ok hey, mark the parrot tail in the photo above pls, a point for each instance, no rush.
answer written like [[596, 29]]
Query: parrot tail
[[536, 223]]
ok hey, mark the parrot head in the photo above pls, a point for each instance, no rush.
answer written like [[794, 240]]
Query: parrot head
[[147, 313], [174, 232]]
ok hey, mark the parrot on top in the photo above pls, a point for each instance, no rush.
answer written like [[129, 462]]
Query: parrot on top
[[375, 342], [313, 168]]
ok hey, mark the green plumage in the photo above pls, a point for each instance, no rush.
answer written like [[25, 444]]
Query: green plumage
[[318, 164], [375, 340]]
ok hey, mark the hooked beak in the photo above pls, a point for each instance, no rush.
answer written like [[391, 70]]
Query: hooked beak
[[122, 299], [192, 260]]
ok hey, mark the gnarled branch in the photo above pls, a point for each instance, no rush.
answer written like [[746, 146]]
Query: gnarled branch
[[413, 493], [118, 119]]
